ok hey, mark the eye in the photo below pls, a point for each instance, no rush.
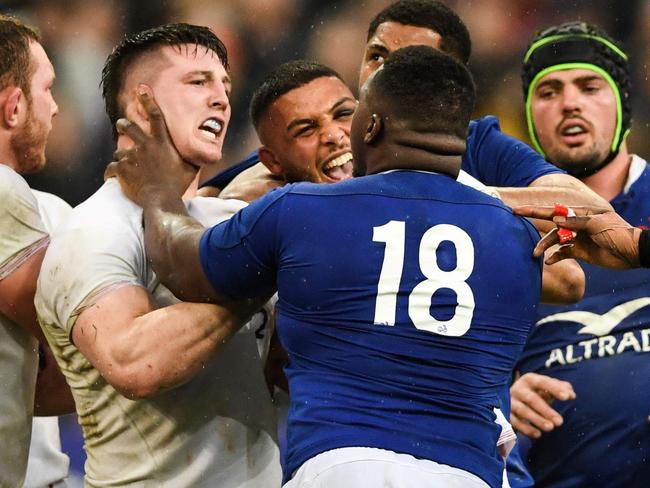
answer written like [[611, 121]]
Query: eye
[[591, 88], [343, 113], [304, 131], [546, 93], [200, 82]]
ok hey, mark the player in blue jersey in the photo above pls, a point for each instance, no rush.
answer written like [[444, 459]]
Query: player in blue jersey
[[492, 157], [577, 89], [390, 286]]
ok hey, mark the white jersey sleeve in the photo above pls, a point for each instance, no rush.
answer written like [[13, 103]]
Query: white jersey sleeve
[[53, 210], [22, 231], [99, 248]]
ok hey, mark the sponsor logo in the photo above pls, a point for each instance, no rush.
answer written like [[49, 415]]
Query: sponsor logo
[[600, 326]]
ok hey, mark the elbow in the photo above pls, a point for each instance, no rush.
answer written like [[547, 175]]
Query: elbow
[[134, 390], [566, 287], [135, 382]]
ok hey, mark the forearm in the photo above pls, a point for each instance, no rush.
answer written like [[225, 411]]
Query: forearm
[[167, 347], [172, 240]]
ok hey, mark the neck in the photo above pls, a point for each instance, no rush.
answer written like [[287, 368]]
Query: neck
[[610, 181], [192, 189], [7, 156], [440, 153]]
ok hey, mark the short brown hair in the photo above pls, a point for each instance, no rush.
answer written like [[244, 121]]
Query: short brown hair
[[15, 57]]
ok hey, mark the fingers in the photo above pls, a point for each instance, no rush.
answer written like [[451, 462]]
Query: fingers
[[111, 170], [156, 118], [531, 394], [128, 128], [535, 211], [550, 239]]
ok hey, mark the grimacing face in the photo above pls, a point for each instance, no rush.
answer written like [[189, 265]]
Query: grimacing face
[[308, 131], [28, 143], [574, 112], [391, 36], [192, 88]]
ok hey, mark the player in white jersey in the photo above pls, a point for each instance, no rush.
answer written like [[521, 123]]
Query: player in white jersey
[[27, 109], [156, 404]]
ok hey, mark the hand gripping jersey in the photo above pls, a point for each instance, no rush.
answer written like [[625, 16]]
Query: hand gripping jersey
[[601, 345], [401, 307], [492, 157]]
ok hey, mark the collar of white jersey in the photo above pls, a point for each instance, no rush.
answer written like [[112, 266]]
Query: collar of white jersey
[[637, 166]]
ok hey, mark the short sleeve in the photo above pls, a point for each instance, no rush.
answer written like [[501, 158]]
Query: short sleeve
[[497, 159], [84, 262], [239, 256], [22, 230]]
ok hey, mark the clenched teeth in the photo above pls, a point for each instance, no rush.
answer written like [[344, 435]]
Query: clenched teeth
[[340, 161], [212, 127]]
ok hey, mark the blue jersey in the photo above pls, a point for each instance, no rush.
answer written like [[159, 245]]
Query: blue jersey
[[401, 308], [492, 157], [601, 345]]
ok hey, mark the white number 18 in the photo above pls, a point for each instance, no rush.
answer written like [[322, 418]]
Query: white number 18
[[393, 234]]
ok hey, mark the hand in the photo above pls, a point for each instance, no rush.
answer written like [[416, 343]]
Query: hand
[[603, 237], [530, 398], [152, 166]]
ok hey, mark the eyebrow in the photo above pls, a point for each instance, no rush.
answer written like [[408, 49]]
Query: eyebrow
[[208, 74], [378, 47], [581, 79], [336, 105]]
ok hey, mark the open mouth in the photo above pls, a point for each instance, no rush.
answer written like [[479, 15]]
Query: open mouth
[[212, 128], [339, 168], [573, 131]]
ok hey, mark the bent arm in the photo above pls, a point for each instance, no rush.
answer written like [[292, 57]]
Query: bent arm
[[141, 350], [563, 284]]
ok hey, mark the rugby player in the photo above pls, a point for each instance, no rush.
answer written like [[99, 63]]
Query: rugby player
[[156, 404], [589, 360], [26, 78]]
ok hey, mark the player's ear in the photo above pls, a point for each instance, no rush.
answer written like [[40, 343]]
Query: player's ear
[[136, 113], [374, 129], [268, 159], [13, 101]]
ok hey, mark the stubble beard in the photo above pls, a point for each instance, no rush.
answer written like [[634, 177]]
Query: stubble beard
[[28, 145], [579, 160]]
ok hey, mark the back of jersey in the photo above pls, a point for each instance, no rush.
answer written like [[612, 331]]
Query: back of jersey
[[405, 299]]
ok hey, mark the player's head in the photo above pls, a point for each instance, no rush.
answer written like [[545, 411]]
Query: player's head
[[577, 92], [186, 66], [302, 113], [420, 101], [26, 78], [414, 22]]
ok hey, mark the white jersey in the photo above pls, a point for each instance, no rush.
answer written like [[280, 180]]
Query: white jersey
[[217, 429], [46, 463], [22, 234]]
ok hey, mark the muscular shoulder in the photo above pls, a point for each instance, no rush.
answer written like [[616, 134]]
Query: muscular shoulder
[[99, 246]]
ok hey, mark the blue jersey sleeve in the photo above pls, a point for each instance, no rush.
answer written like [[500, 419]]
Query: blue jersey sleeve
[[497, 159], [238, 255]]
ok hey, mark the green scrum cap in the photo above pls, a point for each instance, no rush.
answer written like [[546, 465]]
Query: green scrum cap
[[577, 45]]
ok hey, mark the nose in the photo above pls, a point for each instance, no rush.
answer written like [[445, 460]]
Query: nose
[[219, 97], [571, 99], [336, 134]]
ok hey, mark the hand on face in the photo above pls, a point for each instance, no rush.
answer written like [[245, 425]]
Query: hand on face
[[152, 166], [603, 238]]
